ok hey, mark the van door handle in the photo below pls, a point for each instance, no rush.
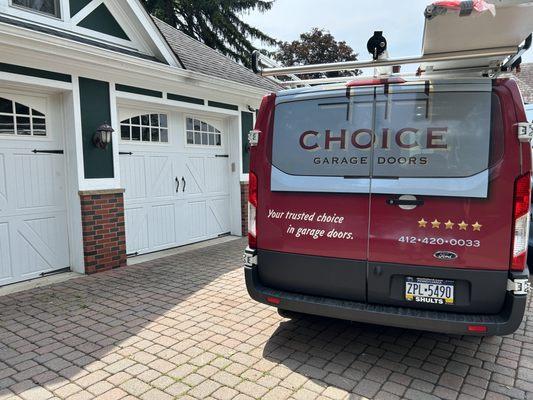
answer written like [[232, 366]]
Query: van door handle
[[184, 183], [404, 202], [177, 184]]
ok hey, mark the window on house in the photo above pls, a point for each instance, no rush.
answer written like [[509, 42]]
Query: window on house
[[19, 119], [145, 128], [50, 7], [201, 133]]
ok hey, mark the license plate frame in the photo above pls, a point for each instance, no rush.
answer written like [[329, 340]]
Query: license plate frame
[[429, 290]]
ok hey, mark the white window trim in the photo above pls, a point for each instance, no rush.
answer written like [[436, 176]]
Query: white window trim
[[202, 119]]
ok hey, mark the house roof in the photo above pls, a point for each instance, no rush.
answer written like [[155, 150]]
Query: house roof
[[525, 82], [198, 57]]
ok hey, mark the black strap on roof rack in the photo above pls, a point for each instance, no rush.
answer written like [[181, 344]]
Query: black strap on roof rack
[[514, 61], [466, 8]]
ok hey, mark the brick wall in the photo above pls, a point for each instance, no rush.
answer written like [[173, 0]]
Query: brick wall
[[104, 237], [525, 81], [244, 208]]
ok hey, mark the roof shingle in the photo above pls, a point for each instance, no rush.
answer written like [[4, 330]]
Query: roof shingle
[[198, 57]]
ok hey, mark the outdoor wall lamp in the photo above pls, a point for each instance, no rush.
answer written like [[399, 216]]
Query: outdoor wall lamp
[[102, 136]]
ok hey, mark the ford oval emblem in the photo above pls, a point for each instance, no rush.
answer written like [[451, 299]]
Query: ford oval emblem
[[445, 255]]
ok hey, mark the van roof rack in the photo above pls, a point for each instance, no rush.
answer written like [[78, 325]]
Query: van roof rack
[[494, 46]]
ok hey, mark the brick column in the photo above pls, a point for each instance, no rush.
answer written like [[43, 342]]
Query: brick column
[[244, 208], [104, 236]]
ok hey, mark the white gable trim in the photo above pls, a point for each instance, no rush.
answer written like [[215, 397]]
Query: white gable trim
[[89, 8], [154, 33], [130, 14]]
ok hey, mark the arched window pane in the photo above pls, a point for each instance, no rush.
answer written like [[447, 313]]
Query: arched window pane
[[145, 128], [20, 119], [201, 133]]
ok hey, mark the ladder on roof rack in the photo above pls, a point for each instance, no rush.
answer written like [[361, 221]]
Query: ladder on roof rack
[[495, 45]]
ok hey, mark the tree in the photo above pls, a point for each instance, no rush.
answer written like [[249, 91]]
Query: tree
[[316, 47], [217, 23]]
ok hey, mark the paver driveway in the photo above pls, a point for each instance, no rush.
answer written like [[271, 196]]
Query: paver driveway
[[184, 327]]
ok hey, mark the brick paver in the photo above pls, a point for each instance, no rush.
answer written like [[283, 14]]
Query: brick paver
[[184, 327]]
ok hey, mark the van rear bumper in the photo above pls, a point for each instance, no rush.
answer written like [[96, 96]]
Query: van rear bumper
[[503, 323]]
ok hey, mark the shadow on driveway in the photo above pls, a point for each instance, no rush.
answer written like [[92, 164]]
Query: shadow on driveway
[[372, 361]]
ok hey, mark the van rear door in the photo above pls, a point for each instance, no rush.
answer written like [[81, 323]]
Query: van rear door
[[442, 197], [313, 195]]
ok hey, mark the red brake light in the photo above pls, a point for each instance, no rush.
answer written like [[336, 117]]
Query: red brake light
[[375, 81], [522, 201], [273, 300], [252, 210], [522, 195], [477, 328]]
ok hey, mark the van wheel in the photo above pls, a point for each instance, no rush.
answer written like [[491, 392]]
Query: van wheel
[[288, 314]]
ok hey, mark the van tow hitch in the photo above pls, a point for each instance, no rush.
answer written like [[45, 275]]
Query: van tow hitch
[[519, 286]]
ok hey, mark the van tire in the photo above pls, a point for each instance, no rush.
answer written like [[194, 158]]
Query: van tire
[[288, 314]]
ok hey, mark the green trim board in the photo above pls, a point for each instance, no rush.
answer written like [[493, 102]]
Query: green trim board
[[186, 99], [38, 73], [95, 108], [77, 5], [223, 105], [247, 124], [138, 90], [101, 20]]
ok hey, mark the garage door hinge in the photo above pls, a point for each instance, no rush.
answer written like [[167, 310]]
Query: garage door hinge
[[519, 286], [222, 155], [35, 151], [129, 153]]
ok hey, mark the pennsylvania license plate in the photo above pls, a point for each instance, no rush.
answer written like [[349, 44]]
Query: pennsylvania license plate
[[428, 290]]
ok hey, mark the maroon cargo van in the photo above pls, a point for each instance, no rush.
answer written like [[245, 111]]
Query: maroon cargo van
[[392, 202]]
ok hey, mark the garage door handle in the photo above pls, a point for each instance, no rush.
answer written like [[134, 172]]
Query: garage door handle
[[184, 183], [177, 185], [401, 202]]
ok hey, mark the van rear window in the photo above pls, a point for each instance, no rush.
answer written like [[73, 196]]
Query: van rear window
[[404, 135]]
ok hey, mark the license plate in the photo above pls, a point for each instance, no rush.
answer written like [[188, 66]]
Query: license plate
[[428, 290]]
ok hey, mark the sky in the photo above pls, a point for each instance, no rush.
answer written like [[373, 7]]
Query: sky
[[353, 21]]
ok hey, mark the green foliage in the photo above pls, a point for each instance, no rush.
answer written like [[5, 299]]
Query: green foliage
[[217, 23], [316, 47]]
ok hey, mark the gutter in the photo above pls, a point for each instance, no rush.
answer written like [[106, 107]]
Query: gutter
[[86, 54]]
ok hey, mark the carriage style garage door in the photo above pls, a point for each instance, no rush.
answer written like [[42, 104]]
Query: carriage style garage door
[[174, 168], [33, 228]]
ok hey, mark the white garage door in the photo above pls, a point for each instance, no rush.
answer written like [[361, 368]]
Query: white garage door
[[33, 228], [176, 180]]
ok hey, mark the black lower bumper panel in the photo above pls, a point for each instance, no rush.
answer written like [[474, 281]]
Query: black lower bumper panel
[[503, 323]]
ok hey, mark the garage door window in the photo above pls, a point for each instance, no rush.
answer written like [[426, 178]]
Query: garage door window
[[21, 120], [201, 133], [145, 128]]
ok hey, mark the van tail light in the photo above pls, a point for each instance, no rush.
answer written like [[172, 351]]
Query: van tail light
[[252, 210], [375, 81], [522, 201], [477, 328]]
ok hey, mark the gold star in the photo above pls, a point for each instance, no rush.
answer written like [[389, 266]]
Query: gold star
[[435, 224], [477, 226], [462, 226], [449, 224], [422, 223]]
